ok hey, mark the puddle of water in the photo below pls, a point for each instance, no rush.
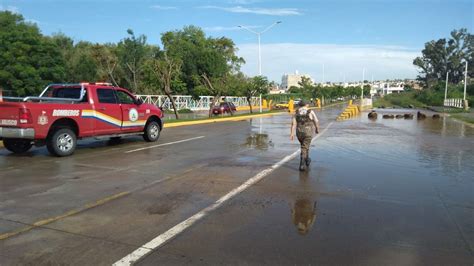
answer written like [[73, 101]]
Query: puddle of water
[[259, 141]]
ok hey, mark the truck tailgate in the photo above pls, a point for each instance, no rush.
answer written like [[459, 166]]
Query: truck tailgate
[[9, 112]]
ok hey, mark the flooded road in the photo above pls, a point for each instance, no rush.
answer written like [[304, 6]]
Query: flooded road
[[384, 192]]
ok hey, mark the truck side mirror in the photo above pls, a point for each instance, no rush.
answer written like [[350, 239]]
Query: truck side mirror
[[138, 102]]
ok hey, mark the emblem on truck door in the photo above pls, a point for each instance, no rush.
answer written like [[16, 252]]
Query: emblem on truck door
[[133, 115], [42, 119]]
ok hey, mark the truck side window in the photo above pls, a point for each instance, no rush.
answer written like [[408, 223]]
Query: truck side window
[[106, 96], [69, 93], [125, 98]]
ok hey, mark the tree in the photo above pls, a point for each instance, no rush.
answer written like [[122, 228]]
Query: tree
[[132, 53], [443, 55], [107, 62], [257, 85], [205, 60], [28, 60], [166, 70]]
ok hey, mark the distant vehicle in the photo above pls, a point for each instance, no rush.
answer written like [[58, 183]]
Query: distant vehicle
[[282, 105], [297, 101], [224, 107], [64, 113]]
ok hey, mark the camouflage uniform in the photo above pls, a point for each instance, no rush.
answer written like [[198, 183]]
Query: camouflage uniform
[[304, 132]]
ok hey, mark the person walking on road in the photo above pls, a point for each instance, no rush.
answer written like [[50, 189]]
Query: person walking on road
[[306, 124]]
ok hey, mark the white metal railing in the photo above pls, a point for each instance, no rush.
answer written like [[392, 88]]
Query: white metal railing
[[188, 102], [457, 103]]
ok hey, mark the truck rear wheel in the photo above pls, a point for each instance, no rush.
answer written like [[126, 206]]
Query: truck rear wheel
[[152, 131], [17, 145], [62, 142]]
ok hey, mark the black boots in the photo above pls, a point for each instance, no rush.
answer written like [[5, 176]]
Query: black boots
[[304, 163]]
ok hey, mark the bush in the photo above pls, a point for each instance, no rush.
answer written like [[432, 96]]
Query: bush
[[182, 111]]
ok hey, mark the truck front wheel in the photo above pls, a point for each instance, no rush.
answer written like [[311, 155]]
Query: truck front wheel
[[62, 142], [17, 145], [152, 131]]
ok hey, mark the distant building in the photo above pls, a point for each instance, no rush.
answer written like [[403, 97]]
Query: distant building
[[290, 80], [384, 88], [276, 89]]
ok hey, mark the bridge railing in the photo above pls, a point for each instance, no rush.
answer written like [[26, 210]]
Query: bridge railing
[[188, 102], [457, 103]]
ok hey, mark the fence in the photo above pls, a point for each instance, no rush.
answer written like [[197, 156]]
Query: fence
[[457, 103], [188, 102]]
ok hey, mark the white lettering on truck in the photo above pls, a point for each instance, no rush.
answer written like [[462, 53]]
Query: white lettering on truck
[[8, 122], [66, 113]]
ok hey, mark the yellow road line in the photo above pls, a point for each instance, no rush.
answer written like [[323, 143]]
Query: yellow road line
[[214, 120], [62, 216]]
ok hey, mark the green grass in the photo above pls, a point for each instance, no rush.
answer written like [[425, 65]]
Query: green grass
[[181, 111], [404, 100], [219, 117], [467, 119]]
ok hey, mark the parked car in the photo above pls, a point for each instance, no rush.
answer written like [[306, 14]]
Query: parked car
[[224, 107], [281, 105]]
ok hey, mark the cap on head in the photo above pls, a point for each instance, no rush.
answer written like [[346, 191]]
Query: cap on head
[[301, 103]]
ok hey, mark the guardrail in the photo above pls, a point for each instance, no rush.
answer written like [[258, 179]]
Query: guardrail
[[188, 102], [457, 103]]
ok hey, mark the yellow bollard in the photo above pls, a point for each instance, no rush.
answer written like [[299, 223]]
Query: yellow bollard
[[318, 103], [350, 102], [291, 106], [264, 103]]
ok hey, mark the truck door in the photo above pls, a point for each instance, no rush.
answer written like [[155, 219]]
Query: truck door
[[107, 113], [134, 117]]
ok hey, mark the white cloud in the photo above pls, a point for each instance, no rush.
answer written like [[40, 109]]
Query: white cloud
[[157, 7], [340, 61], [12, 9], [258, 11], [243, 2], [224, 28]]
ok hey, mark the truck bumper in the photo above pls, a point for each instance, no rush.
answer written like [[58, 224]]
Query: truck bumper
[[17, 133]]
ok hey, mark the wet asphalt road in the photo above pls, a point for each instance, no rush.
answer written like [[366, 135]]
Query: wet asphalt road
[[390, 192]]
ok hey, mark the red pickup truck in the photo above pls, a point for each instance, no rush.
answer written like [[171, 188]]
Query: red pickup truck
[[64, 113]]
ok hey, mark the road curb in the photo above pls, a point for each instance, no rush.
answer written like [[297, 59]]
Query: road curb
[[215, 120]]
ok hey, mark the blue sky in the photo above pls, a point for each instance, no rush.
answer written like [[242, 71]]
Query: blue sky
[[344, 36]]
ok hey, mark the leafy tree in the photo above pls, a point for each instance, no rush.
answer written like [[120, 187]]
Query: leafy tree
[[28, 60], [256, 86], [166, 69], [205, 60], [444, 55], [132, 53], [107, 62]]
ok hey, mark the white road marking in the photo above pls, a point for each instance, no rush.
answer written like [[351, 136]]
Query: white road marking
[[164, 144], [179, 228]]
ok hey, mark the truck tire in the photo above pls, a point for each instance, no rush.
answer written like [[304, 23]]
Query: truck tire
[[62, 142], [152, 131], [17, 145]]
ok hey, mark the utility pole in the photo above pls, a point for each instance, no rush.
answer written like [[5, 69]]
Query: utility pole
[[324, 78], [465, 85], [446, 88], [362, 88], [465, 81]]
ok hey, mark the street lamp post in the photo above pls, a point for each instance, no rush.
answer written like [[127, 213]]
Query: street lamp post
[[362, 88], [465, 85], [446, 87], [259, 49]]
